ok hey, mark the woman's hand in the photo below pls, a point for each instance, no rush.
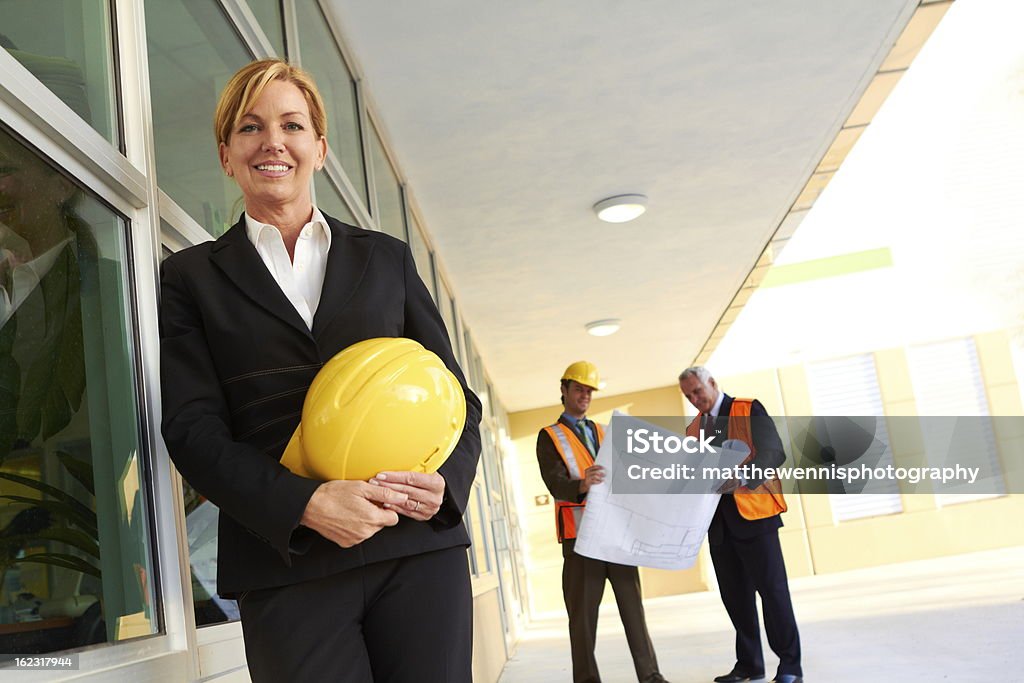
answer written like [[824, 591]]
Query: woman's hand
[[349, 512], [424, 492]]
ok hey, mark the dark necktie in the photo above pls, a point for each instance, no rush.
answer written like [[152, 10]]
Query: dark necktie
[[709, 425], [581, 427]]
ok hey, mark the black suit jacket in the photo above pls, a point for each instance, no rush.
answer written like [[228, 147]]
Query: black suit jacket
[[236, 362], [770, 453], [556, 474]]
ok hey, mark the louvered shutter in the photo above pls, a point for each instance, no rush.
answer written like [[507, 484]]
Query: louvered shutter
[[947, 382], [849, 387]]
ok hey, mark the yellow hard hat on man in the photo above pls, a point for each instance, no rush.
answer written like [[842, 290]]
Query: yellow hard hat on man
[[584, 372]]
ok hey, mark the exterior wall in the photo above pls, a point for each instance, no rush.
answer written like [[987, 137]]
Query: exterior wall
[[489, 654], [141, 198], [543, 556], [813, 541]]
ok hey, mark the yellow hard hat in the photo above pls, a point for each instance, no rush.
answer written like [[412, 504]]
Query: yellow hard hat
[[584, 372], [381, 404]]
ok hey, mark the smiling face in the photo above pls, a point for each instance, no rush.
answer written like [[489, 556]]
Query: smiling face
[[273, 151], [702, 395], [576, 398]]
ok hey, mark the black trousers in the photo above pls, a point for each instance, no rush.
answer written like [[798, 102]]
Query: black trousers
[[745, 566], [401, 621], [582, 587]]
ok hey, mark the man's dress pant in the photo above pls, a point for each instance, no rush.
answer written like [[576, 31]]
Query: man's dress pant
[[755, 564], [583, 582]]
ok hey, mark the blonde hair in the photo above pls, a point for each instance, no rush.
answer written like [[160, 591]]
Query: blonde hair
[[249, 82]]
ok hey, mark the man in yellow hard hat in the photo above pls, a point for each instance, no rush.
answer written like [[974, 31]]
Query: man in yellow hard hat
[[565, 452]]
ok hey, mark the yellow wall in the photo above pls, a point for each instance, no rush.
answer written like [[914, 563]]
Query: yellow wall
[[923, 529], [489, 654], [813, 542], [543, 555]]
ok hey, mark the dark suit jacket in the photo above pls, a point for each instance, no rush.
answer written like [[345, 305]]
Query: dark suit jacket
[[770, 453], [556, 475], [236, 361]]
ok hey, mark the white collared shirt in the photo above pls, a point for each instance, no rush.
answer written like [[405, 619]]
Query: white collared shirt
[[301, 280], [718, 404], [25, 277]]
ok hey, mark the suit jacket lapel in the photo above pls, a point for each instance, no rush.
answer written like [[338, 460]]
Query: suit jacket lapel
[[723, 412], [237, 257], [347, 264]]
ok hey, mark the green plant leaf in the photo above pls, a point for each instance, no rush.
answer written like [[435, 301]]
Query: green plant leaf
[[53, 492], [81, 471], [61, 560], [73, 537], [61, 511]]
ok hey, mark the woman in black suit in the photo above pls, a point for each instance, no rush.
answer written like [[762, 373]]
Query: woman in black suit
[[339, 580]]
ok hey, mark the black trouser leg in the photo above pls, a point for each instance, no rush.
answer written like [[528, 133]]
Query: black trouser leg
[[400, 621], [626, 584], [582, 587], [290, 636], [419, 625], [737, 591], [762, 558]]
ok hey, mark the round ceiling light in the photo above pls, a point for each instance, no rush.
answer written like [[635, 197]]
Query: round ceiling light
[[604, 328], [622, 208]]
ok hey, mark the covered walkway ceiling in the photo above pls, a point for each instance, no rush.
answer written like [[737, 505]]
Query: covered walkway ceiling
[[510, 119]]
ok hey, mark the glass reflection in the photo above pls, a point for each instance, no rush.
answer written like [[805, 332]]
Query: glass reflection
[[193, 50], [66, 44], [421, 255], [320, 56], [74, 561], [201, 518], [329, 200], [268, 14], [390, 207]]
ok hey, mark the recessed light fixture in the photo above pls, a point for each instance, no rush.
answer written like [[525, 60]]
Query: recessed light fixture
[[603, 328], [622, 208]]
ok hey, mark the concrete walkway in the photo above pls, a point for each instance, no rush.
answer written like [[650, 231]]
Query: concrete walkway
[[953, 619]]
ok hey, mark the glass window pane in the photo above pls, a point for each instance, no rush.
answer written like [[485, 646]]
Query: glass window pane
[[421, 255], [391, 218], [473, 365], [447, 308], [268, 14], [75, 563], [193, 51], [320, 56], [66, 45], [201, 517], [329, 200], [478, 367], [488, 408], [477, 524]]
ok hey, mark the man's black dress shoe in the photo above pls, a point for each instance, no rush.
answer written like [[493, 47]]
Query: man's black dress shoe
[[788, 678], [738, 677]]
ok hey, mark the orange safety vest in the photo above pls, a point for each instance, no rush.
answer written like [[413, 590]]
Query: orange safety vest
[[577, 459], [766, 500]]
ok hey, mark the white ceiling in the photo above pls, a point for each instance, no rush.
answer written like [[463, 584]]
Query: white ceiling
[[509, 120]]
